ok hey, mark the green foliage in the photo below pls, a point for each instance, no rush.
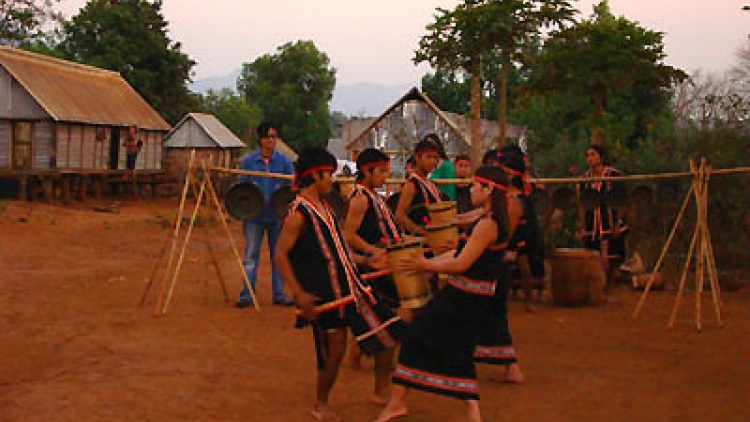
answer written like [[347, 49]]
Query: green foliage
[[232, 110], [24, 21], [130, 37], [292, 88], [606, 64]]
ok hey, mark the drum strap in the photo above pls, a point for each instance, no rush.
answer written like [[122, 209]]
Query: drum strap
[[426, 187], [385, 217]]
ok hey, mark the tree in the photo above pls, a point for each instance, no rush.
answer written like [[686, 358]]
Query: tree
[[455, 42], [130, 37], [514, 24], [604, 60], [293, 88], [23, 21], [232, 110]]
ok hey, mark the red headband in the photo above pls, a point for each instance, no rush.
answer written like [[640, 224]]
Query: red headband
[[373, 164], [510, 170], [489, 182], [312, 170]]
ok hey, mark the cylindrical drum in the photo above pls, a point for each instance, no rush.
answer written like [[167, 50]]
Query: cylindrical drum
[[578, 277], [438, 236], [442, 213], [413, 287]]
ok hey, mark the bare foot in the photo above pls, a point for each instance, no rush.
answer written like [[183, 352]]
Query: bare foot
[[377, 399], [513, 375], [325, 413], [391, 412]]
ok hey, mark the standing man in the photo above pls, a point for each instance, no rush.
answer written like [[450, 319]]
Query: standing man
[[132, 147], [265, 159]]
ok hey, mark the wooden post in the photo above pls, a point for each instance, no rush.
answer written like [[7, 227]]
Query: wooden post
[[663, 254], [178, 221], [223, 218], [185, 242]]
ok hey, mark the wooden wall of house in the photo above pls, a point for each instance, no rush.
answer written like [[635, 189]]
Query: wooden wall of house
[[81, 146], [43, 145], [15, 102], [5, 131]]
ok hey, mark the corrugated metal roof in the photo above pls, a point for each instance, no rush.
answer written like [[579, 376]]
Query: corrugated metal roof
[[72, 92], [216, 131]]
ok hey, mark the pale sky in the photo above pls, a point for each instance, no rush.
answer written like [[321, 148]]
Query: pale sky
[[374, 41]]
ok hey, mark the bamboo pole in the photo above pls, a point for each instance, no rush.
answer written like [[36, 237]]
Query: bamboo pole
[[663, 254], [700, 250], [184, 245], [222, 217], [713, 279], [178, 223], [683, 279]]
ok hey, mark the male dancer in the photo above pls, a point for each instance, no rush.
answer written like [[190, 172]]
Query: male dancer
[[368, 228], [316, 263]]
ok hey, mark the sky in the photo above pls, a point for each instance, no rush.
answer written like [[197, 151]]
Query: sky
[[374, 41]]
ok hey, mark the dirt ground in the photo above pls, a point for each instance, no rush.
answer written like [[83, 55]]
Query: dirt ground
[[75, 345]]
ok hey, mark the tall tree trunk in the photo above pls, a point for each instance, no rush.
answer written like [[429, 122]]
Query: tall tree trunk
[[503, 110], [476, 116]]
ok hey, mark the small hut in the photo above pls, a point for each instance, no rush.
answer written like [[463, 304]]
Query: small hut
[[210, 139], [63, 118]]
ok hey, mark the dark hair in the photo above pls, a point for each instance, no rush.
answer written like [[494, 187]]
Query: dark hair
[[369, 155], [429, 141], [309, 158], [438, 143], [264, 128], [601, 151], [409, 162], [498, 199], [461, 157], [513, 159], [489, 158]]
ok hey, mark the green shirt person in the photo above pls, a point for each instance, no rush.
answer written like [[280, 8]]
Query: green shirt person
[[444, 170]]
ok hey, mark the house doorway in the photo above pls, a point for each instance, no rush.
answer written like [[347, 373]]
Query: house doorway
[[21, 144], [114, 148]]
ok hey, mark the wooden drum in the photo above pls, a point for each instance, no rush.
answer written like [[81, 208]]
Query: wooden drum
[[442, 213], [578, 277], [439, 236], [413, 288]]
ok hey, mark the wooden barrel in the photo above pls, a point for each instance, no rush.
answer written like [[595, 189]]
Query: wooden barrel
[[442, 213], [438, 236], [578, 277], [413, 288]]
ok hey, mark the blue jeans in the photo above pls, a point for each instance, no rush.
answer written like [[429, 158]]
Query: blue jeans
[[253, 240]]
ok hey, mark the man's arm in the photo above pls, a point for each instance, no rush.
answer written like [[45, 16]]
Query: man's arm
[[357, 208], [290, 231], [402, 218]]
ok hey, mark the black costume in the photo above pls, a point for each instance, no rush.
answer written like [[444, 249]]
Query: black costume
[[379, 227], [601, 221], [436, 352], [323, 265]]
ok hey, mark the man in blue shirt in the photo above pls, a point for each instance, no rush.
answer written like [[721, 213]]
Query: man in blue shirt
[[265, 159]]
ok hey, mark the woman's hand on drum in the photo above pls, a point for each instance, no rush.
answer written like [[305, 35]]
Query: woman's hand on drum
[[306, 303], [410, 265], [448, 245]]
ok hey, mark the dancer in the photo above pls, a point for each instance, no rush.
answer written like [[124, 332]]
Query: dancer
[[437, 350], [329, 290]]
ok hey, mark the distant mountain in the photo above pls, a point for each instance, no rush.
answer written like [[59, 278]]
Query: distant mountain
[[360, 99], [366, 99], [202, 86]]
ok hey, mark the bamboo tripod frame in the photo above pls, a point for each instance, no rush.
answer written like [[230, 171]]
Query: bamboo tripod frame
[[701, 249], [172, 271]]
